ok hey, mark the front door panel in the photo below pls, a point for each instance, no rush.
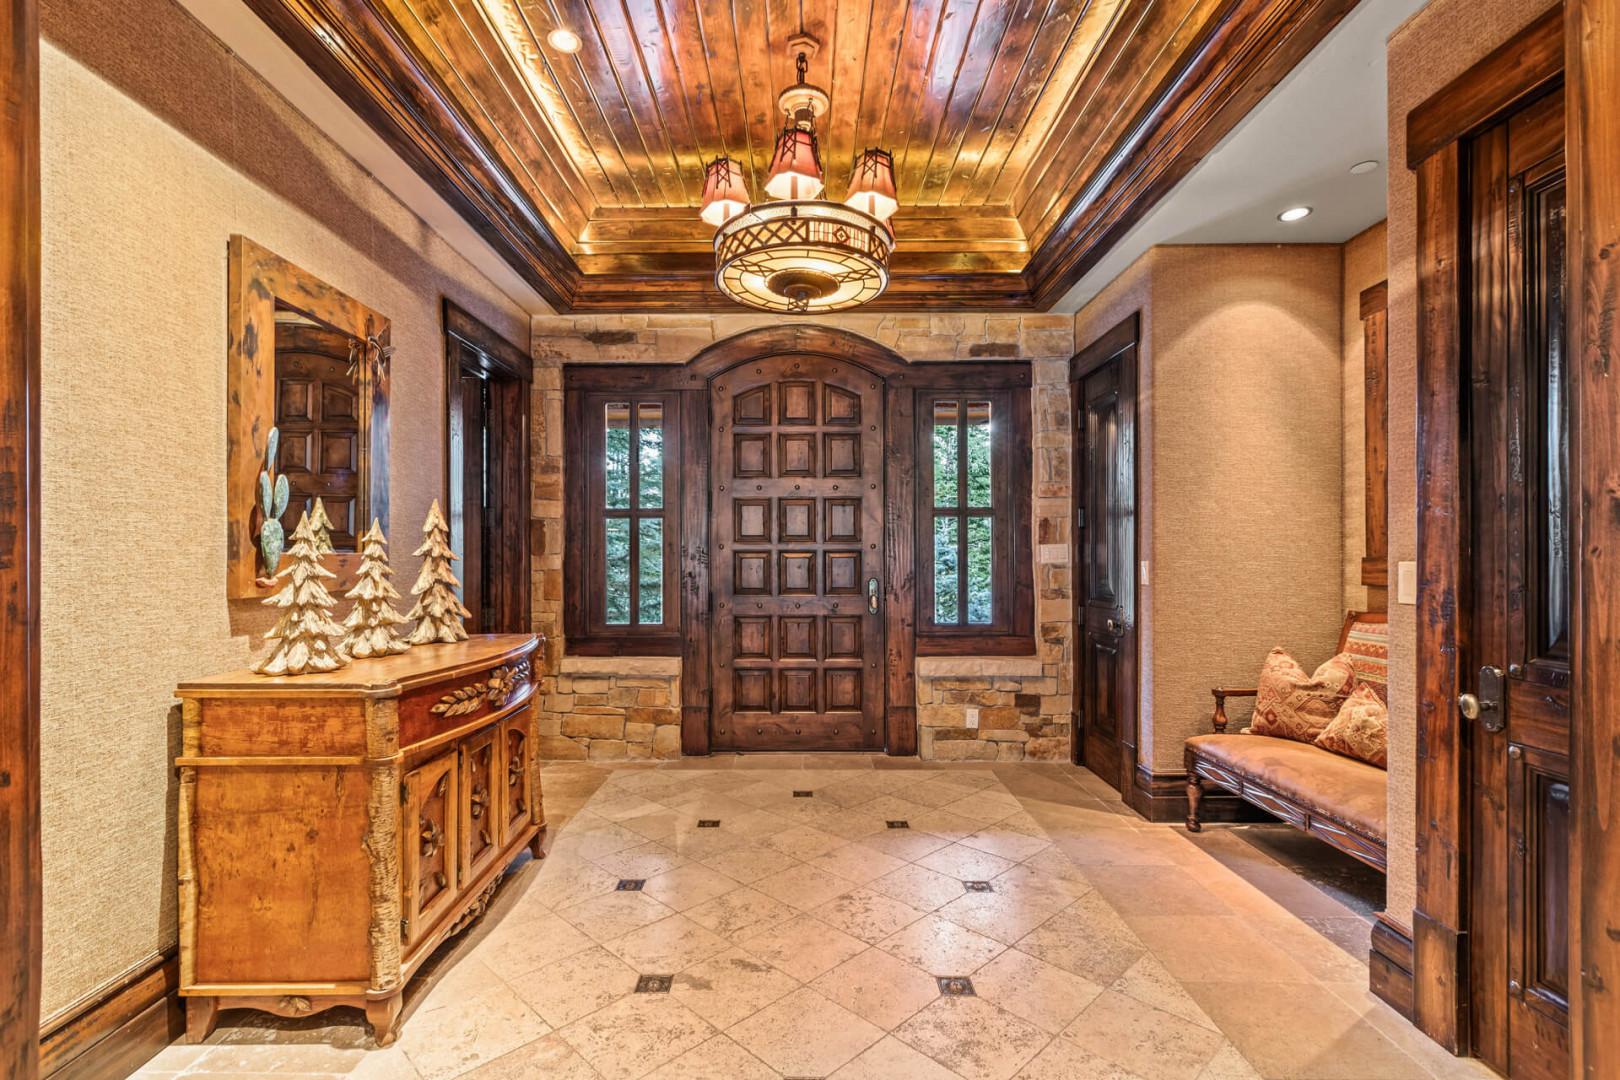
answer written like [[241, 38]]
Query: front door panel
[[797, 555]]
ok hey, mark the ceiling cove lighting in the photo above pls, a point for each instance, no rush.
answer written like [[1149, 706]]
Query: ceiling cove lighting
[[564, 40], [801, 253], [1297, 213]]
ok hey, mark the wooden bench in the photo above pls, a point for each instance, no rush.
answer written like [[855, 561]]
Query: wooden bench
[[1337, 799]]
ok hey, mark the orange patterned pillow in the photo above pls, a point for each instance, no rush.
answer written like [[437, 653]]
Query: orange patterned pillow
[[1361, 730], [1294, 705]]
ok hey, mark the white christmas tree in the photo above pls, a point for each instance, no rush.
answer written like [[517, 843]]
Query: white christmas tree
[[437, 608], [323, 527], [371, 624], [303, 633]]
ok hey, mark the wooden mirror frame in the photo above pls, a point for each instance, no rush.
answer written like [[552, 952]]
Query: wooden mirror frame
[[259, 282]]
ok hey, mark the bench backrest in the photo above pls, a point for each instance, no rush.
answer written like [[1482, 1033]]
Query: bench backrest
[[1366, 638]]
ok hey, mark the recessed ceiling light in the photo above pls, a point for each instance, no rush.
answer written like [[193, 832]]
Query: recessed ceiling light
[[1362, 167], [563, 40], [1297, 213]]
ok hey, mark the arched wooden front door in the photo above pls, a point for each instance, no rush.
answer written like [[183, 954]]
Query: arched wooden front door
[[796, 555]]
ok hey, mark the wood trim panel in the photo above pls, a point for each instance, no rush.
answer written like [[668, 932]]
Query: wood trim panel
[[497, 355], [20, 903], [378, 67], [120, 1030], [1523, 67], [1375, 400], [899, 582], [1389, 966], [1592, 37], [694, 571]]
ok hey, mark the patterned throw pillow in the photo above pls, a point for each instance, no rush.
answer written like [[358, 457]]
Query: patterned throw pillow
[[1368, 646], [1361, 730], [1294, 705]]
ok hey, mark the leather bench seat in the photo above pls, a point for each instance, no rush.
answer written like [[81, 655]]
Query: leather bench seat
[[1331, 785]]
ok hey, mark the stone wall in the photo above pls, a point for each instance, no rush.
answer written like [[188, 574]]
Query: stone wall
[[1023, 702]]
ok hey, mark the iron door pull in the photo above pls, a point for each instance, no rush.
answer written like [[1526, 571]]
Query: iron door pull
[[872, 595]]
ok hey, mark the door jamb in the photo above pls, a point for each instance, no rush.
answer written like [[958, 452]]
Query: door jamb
[[1528, 65], [1135, 787]]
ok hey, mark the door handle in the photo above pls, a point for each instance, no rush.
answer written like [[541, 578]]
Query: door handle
[[1486, 705], [872, 595]]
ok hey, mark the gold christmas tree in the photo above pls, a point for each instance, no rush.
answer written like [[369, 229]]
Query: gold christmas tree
[[304, 631], [323, 527], [437, 608], [371, 624]]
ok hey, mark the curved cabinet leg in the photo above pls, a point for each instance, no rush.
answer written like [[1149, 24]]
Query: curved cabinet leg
[[383, 1015], [201, 1015], [1195, 794]]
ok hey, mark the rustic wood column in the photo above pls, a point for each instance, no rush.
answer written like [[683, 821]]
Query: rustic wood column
[[1592, 65], [20, 941]]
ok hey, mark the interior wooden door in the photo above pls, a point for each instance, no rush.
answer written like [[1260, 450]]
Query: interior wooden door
[[796, 542], [1105, 542], [1516, 656]]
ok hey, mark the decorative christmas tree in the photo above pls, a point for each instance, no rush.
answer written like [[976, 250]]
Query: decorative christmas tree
[[303, 633], [323, 527], [437, 607], [371, 624]]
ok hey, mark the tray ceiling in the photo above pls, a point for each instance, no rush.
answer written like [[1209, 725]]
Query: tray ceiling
[[1028, 134]]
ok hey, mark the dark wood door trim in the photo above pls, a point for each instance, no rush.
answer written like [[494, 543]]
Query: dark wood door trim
[[1119, 342], [1436, 132], [20, 941], [472, 348], [1592, 154]]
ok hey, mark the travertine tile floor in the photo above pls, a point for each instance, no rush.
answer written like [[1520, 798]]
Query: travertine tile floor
[[804, 936]]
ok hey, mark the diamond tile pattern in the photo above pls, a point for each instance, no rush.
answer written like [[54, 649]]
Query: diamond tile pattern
[[851, 921]]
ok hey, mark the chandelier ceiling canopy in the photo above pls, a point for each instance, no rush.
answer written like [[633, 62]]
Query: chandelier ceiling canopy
[[799, 252]]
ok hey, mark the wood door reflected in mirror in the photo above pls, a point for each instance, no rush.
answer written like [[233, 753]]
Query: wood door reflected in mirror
[[311, 363]]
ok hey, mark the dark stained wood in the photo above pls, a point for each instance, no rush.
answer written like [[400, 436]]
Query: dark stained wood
[[899, 578], [1521, 68], [796, 533], [1104, 391], [20, 940], [1441, 993], [1017, 125], [1389, 966], [693, 525], [1592, 40], [319, 415], [1375, 401], [121, 1030], [488, 470]]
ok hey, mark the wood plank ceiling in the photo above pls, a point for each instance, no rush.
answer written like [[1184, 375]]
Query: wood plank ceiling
[[1028, 135]]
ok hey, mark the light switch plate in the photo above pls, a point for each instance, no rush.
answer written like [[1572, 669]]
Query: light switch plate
[[972, 717], [1054, 553], [1146, 576], [1406, 583]]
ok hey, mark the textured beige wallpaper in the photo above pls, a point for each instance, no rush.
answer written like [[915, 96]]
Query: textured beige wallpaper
[[1428, 51], [141, 189], [1366, 263], [1239, 467]]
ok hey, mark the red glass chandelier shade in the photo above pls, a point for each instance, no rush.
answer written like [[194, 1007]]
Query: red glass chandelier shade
[[725, 192], [871, 188]]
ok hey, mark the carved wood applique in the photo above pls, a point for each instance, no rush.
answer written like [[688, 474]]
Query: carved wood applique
[[496, 689]]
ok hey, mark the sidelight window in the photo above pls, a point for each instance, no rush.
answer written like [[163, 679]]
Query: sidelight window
[[618, 591], [973, 530]]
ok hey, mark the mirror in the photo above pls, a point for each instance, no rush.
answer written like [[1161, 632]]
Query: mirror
[[307, 415]]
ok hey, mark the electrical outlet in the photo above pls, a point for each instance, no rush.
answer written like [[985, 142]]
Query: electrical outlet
[[1146, 577], [972, 717]]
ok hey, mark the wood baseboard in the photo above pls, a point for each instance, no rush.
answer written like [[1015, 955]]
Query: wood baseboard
[[1390, 966], [118, 1032], [1162, 798]]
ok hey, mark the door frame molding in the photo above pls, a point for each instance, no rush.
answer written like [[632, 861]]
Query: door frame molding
[[1523, 68], [899, 470], [1137, 789], [21, 945]]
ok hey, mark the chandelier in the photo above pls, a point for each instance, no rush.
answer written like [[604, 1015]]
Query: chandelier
[[800, 253]]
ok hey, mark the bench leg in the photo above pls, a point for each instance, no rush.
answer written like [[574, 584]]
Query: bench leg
[[1195, 795]]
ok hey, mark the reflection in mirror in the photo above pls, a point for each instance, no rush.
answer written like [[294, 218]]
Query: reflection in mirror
[[318, 410]]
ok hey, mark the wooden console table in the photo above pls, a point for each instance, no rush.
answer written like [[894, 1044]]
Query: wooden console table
[[334, 829]]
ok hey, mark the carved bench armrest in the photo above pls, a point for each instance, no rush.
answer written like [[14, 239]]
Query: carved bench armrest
[[1221, 694]]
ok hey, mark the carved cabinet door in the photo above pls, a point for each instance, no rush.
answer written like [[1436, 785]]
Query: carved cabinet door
[[517, 805], [796, 554], [482, 789], [428, 840]]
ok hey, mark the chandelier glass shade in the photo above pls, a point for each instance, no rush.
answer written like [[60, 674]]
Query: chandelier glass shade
[[801, 253]]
